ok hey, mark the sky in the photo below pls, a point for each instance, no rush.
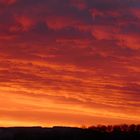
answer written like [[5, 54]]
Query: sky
[[69, 62]]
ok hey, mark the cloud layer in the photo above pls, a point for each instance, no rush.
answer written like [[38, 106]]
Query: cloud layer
[[69, 62]]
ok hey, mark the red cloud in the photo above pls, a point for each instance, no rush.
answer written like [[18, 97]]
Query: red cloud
[[8, 2], [23, 23], [80, 4], [136, 12]]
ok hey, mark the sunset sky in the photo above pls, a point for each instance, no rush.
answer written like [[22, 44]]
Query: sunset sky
[[69, 62]]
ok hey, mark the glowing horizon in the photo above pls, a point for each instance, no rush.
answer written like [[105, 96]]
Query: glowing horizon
[[69, 62]]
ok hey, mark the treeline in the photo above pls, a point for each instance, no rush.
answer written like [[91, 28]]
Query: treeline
[[101, 132], [116, 128]]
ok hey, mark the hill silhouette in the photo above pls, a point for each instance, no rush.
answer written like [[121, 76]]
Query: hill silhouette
[[117, 132]]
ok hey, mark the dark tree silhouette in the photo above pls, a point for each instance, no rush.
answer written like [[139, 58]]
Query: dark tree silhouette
[[100, 132]]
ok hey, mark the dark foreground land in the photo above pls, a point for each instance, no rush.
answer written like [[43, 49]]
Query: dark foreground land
[[121, 132]]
